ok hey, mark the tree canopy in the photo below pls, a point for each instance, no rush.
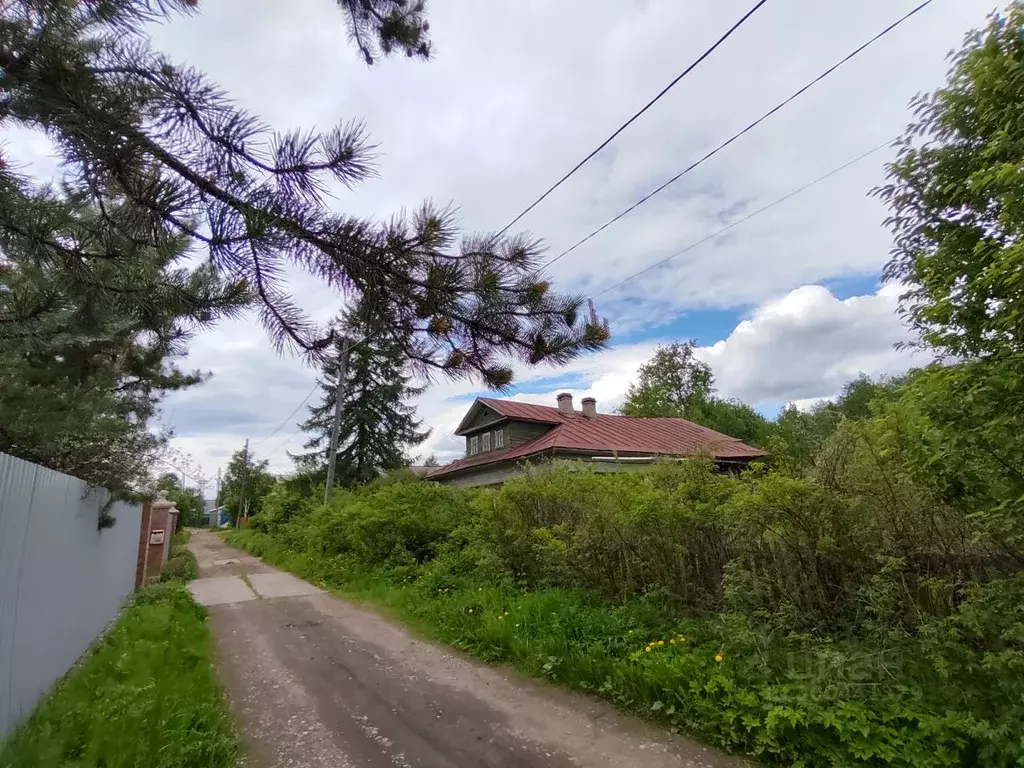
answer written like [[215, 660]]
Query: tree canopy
[[245, 484], [672, 383], [956, 201], [87, 354]]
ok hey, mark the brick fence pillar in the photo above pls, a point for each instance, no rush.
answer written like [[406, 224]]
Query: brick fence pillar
[[159, 518]]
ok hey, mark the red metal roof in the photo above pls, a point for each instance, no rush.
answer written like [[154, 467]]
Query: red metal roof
[[605, 433]]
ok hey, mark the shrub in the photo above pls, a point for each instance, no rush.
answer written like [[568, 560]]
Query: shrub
[[180, 566], [842, 617]]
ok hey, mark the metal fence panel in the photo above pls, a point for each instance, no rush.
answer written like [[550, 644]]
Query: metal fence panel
[[62, 580]]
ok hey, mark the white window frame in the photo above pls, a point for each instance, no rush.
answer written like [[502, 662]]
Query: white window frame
[[474, 445], [485, 442], [499, 438]]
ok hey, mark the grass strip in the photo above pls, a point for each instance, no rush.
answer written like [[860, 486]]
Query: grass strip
[[144, 695]]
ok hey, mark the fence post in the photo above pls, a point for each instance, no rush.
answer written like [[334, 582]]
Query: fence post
[[155, 541]]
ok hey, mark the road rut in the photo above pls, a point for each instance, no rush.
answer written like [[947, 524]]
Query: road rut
[[317, 681]]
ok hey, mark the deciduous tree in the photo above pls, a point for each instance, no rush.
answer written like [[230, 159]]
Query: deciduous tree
[[245, 484], [956, 200]]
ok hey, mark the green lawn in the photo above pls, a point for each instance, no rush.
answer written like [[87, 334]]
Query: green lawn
[[144, 697]]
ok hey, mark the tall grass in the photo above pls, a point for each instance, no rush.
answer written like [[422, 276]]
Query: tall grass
[[144, 696]]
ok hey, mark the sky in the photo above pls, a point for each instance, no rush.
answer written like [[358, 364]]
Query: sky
[[785, 307]]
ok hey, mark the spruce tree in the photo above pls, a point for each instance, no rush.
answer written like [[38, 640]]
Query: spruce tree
[[377, 423], [182, 160]]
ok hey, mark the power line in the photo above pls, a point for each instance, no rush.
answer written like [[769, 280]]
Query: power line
[[179, 469], [749, 216], [290, 415], [629, 122], [282, 444], [736, 136]]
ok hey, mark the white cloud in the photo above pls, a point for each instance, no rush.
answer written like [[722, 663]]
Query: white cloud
[[806, 345]]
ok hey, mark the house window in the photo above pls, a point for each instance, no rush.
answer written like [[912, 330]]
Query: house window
[[485, 441], [499, 438], [474, 445]]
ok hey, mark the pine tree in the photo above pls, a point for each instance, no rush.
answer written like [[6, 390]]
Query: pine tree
[[377, 423], [86, 353], [183, 161]]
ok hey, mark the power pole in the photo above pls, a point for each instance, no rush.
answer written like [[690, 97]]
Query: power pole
[[339, 395], [242, 500], [216, 502]]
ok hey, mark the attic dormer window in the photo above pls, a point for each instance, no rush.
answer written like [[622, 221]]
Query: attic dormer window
[[485, 441], [474, 445]]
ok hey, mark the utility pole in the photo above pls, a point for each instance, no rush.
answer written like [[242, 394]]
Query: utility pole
[[245, 480], [339, 395], [216, 502]]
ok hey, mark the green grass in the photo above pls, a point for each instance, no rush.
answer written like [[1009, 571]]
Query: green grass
[[144, 696]]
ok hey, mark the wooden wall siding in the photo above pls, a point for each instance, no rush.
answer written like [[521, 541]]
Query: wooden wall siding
[[485, 415], [479, 436], [516, 433], [520, 432]]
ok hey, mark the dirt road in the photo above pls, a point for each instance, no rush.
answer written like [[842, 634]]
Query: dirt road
[[317, 681]]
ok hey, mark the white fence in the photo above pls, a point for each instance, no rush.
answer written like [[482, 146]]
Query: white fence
[[62, 580]]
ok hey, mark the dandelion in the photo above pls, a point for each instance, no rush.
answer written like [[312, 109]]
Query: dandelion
[[661, 642], [682, 639], [648, 649], [719, 657], [506, 613], [500, 617], [480, 589], [517, 625], [672, 641], [470, 610]]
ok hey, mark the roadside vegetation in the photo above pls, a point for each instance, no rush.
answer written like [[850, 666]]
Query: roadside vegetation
[[844, 617], [145, 695], [181, 565]]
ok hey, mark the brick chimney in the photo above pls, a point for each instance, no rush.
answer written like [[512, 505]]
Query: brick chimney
[[565, 403], [589, 407]]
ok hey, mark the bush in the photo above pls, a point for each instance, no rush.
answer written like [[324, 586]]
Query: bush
[[825, 618], [180, 566]]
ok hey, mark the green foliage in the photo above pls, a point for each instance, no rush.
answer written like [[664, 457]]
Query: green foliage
[[181, 565], [956, 203], [87, 353], [187, 500], [245, 485], [675, 384], [145, 695], [670, 384], [377, 424], [844, 605]]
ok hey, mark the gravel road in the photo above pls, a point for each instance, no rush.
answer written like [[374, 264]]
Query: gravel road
[[317, 681]]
